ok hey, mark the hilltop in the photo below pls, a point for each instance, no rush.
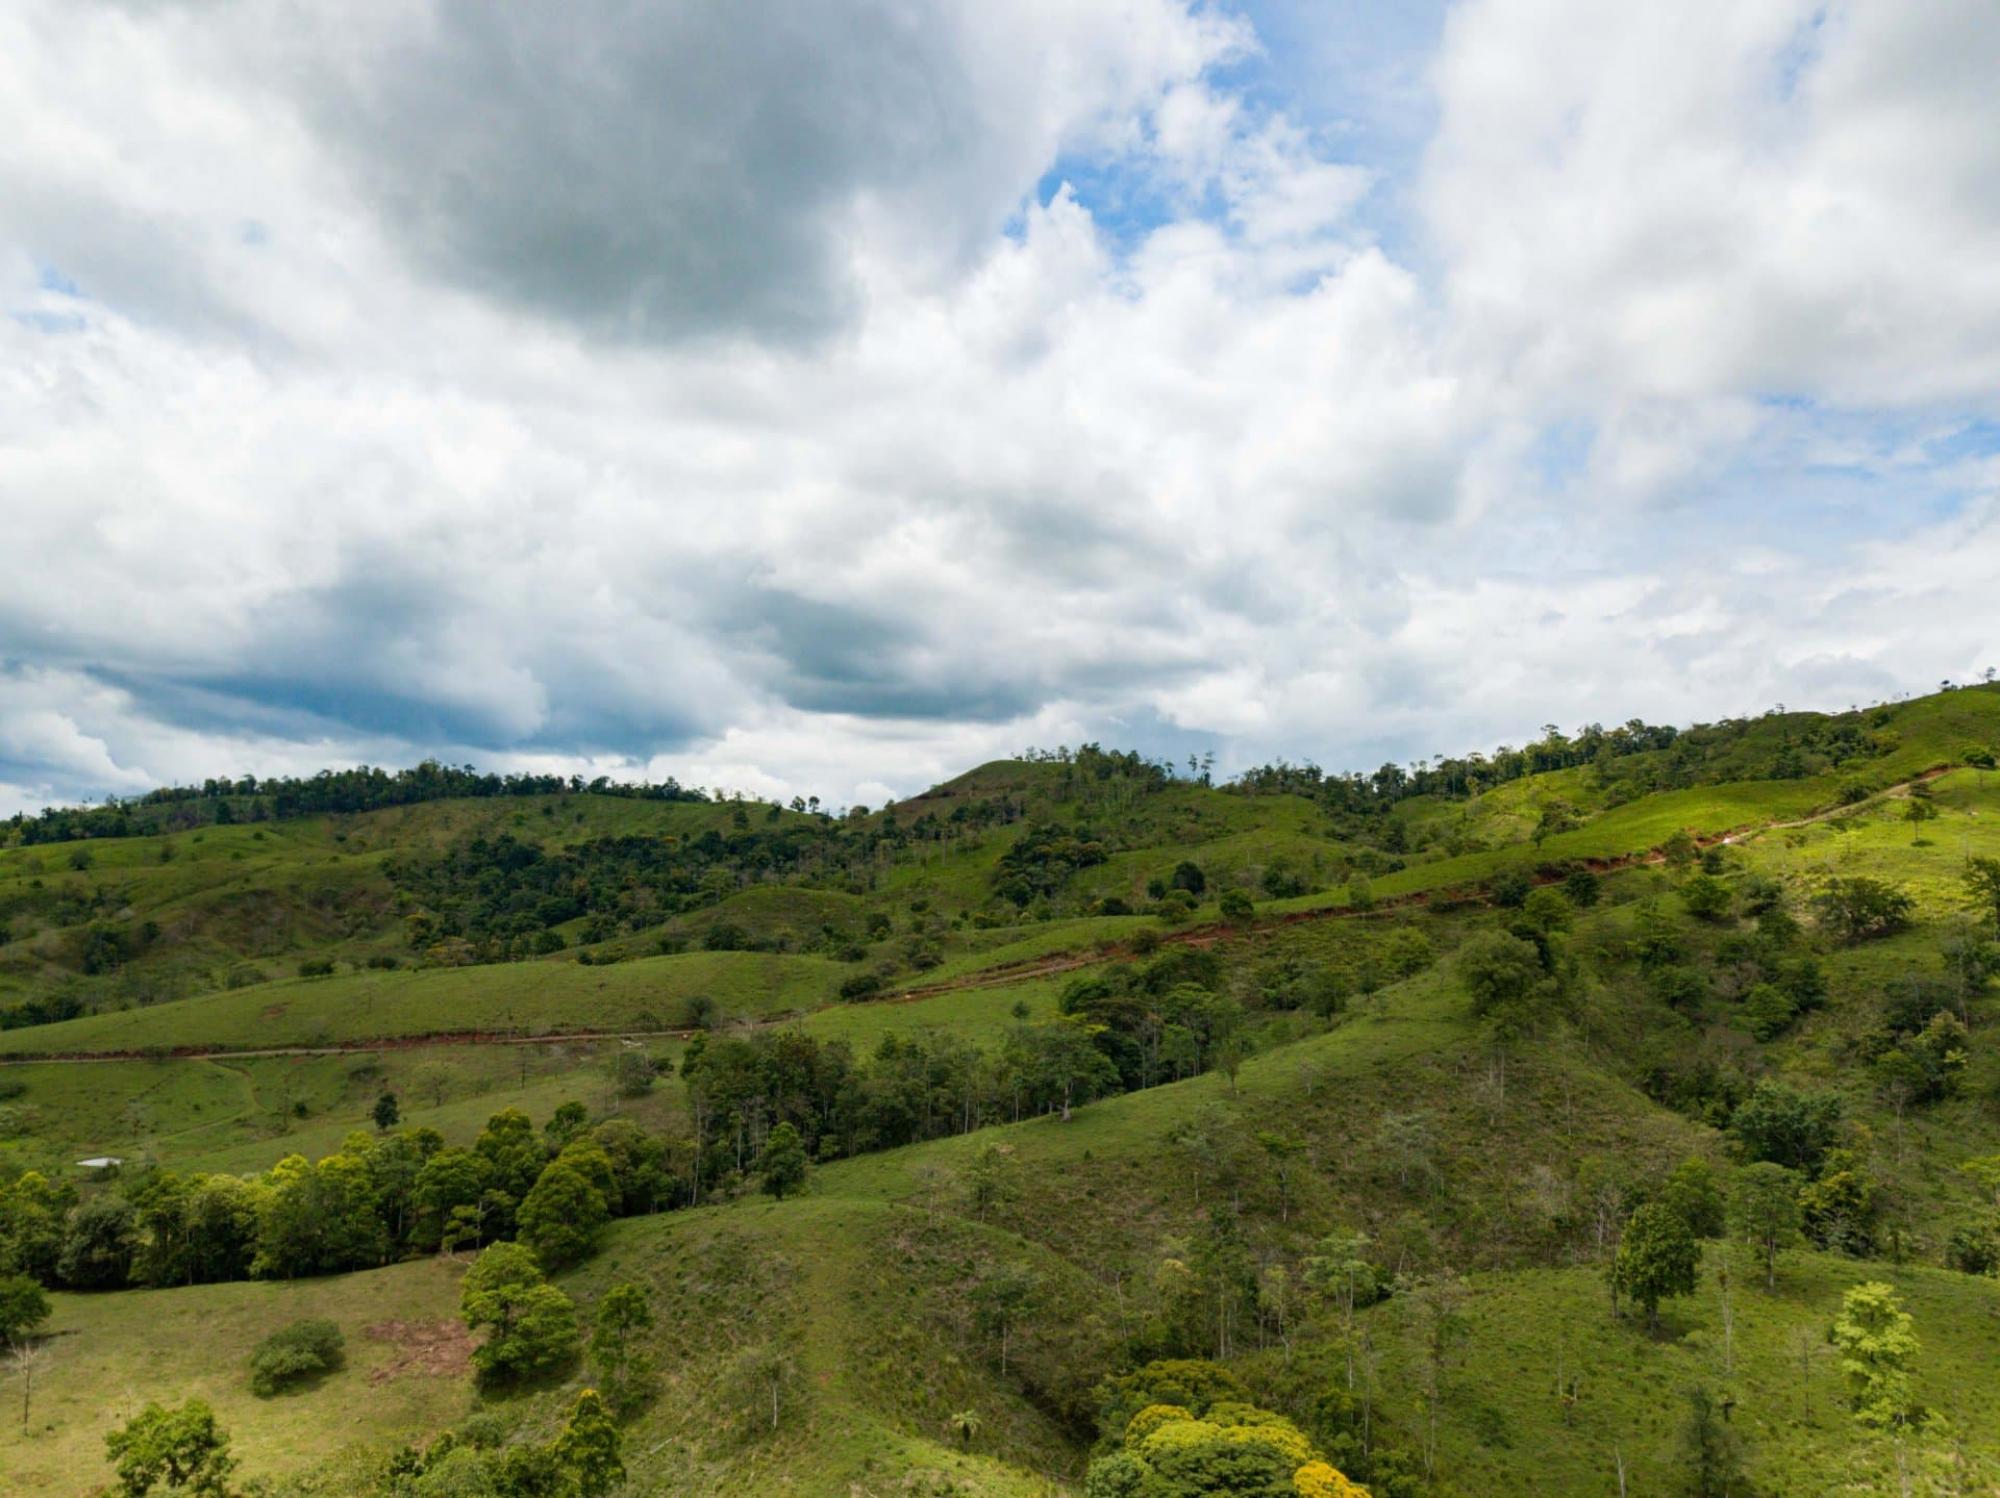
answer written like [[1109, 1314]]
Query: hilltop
[[1092, 1064]]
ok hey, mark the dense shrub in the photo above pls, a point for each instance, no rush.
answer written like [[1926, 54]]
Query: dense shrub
[[293, 1353]]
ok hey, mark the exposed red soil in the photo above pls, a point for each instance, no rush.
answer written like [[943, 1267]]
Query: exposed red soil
[[428, 1349]]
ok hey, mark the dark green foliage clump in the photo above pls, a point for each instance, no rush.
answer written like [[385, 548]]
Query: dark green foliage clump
[[294, 1353]]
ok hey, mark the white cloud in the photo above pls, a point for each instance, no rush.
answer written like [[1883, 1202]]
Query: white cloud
[[725, 400]]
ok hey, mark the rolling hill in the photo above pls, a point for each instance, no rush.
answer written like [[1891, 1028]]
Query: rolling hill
[[1095, 1066]]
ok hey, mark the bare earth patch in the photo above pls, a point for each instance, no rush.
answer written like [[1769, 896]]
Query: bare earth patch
[[273, 1011], [434, 1349]]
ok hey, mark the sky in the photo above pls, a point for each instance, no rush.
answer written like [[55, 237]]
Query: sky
[[823, 399]]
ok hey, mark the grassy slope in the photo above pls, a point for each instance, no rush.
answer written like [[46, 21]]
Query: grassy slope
[[520, 998], [861, 1287]]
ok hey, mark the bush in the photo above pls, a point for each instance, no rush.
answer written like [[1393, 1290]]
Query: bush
[[861, 986], [293, 1353], [1706, 897], [1768, 1010], [1972, 1250], [321, 967], [1858, 907], [1236, 906], [1581, 888]]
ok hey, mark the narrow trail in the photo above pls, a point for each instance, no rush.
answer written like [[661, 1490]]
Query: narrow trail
[[1027, 970]]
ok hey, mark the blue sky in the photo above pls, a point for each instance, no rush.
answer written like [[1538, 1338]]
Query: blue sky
[[822, 401]]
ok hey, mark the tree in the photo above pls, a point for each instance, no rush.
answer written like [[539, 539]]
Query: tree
[[1002, 1299], [1502, 974], [1705, 897], [1066, 1063], [1236, 907], [1855, 908], [293, 1353], [1982, 882], [1917, 811], [23, 1307], [632, 1074], [24, 1361], [98, 1245], [1188, 876], [965, 1425], [1691, 1190], [1710, 1452], [1764, 1210], [561, 1218], [1342, 1272], [1790, 1128], [588, 1449], [782, 1162], [1877, 1343], [387, 1112], [1657, 1257], [531, 1324], [180, 1447], [625, 1370], [989, 1180]]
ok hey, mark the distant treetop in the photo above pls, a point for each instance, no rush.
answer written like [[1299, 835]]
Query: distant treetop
[[364, 788]]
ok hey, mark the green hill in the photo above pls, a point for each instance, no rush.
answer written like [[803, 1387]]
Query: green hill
[[1484, 1016]]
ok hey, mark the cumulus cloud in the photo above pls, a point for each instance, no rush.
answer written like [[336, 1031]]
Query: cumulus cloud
[[824, 399]]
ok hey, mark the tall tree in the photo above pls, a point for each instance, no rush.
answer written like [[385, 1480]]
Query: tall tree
[[1764, 1210], [1878, 1346], [1657, 1257]]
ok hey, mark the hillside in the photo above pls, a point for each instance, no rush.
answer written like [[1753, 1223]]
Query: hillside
[[1353, 1087]]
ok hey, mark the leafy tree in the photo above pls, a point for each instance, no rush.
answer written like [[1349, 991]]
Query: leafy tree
[[989, 1180], [1188, 876], [23, 1307], [1982, 882], [965, 1425], [1917, 811], [1837, 1209], [562, 1217], [98, 1245], [1705, 897], [1546, 911], [1692, 1191], [1657, 1257], [1790, 1128], [1972, 1249], [1503, 974], [568, 1121], [1768, 1010], [1236, 907], [624, 1368], [1878, 1346], [782, 1162], [293, 1353], [1764, 1210], [1581, 888], [1926, 1067], [387, 1112], [180, 1447], [1679, 849], [588, 1449], [531, 1324], [1856, 907]]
